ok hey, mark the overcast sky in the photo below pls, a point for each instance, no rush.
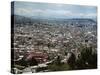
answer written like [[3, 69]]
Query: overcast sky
[[51, 10]]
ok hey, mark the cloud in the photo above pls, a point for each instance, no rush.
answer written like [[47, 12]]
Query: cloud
[[23, 11], [82, 15], [54, 10], [91, 15], [53, 13], [87, 15]]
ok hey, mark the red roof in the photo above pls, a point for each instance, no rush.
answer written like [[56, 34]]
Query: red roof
[[39, 56]]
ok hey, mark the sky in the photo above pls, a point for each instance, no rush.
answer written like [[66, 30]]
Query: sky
[[51, 10]]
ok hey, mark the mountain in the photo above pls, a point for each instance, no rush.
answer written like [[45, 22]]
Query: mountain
[[23, 20]]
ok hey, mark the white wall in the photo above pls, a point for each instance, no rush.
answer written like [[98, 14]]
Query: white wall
[[5, 36]]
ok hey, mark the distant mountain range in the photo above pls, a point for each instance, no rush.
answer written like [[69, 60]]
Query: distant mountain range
[[21, 19]]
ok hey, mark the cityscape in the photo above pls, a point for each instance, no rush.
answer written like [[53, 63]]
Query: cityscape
[[47, 37]]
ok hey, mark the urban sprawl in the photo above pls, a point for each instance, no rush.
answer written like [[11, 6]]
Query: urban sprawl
[[46, 45]]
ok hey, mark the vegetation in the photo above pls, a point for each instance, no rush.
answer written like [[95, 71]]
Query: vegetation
[[61, 67], [87, 59], [71, 61], [58, 66]]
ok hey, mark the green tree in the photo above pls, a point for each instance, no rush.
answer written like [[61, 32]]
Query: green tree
[[87, 59], [71, 60]]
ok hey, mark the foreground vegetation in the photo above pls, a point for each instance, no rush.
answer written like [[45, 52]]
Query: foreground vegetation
[[86, 60]]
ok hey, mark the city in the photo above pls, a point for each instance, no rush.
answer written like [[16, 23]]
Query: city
[[53, 44]]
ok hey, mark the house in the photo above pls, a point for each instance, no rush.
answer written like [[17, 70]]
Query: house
[[39, 56]]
